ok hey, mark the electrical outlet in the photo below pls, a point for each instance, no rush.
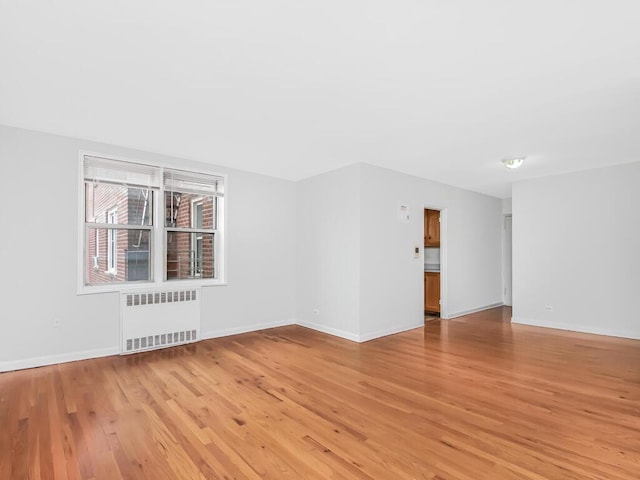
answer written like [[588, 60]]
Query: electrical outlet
[[548, 308], [56, 323]]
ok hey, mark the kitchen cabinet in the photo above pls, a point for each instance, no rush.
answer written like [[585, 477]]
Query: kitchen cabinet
[[431, 228], [432, 292]]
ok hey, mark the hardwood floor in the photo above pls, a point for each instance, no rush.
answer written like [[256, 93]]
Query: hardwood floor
[[473, 398]]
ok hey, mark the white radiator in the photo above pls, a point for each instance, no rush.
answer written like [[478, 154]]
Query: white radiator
[[159, 318]]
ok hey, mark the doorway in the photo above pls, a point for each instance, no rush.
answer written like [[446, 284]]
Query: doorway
[[507, 262], [434, 270]]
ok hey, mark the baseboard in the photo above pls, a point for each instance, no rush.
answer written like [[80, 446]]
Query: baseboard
[[331, 331], [54, 359], [576, 328], [473, 310], [389, 331], [105, 352], [245, 329]]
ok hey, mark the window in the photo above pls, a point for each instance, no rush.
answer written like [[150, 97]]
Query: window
[[192, 211], [149, 224]]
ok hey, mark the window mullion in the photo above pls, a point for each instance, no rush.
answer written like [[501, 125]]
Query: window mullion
[[118, 226], [191, 230], [158, 236]]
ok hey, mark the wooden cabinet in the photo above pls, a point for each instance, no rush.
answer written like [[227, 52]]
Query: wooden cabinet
[[431, 228], [432, 292]]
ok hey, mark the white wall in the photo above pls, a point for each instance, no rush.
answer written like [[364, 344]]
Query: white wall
[[38, 254], [576, 241], [356, 264], [474, 251], [391, 288], [261, 258], [331, 244], [507, 206], [328, 274]]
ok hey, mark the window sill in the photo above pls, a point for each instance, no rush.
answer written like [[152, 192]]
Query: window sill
[[139, 287]]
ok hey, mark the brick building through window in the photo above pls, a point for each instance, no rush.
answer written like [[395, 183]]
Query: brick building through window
[[123, 234]]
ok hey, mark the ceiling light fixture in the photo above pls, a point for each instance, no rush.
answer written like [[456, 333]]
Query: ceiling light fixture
[[513, 162]]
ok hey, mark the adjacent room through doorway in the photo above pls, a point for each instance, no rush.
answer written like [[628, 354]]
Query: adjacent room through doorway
[[432, 265]]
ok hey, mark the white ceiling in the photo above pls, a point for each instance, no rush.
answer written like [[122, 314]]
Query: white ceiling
[[291, 88]]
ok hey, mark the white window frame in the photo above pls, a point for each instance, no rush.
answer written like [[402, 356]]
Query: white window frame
[[97, 243], [157, 235], [95, 260], [112, 242], [198, 235]]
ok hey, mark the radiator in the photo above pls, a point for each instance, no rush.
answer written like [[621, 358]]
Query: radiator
[[159, 318]]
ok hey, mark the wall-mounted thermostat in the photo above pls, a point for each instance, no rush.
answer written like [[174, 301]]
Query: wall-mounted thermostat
[[403, 213]]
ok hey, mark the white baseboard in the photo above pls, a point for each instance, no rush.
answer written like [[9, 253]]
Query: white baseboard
[[389, 331], [355, 337], [105, 352], [245, 329], [576, 328], [473, 310], [331, 331], [54, 359]]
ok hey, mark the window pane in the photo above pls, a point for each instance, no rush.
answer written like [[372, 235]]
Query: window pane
[[133, 205], [190, 210], [197, 212], [189, 255], [117, 256]]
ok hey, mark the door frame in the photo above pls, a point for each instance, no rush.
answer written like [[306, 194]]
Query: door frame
[[507, 264], [444, 313]]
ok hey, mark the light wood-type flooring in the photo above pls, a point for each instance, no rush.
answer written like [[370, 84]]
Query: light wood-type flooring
[[472, 398]]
